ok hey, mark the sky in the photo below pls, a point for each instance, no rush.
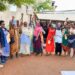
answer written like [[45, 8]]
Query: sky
[[61, 5], [65, 4]]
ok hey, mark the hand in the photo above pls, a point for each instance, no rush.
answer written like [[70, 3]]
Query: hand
[[65, 37], [49, 41]]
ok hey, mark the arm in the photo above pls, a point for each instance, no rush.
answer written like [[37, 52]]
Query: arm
[[43, 31]]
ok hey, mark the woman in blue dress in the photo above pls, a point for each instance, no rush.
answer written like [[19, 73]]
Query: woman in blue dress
[[4, 45], [25, 41], [6, 49]]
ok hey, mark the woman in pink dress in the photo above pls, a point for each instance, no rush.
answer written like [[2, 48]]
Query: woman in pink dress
[[37, 39]]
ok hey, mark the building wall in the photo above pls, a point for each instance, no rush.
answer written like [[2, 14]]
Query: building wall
[[6, 15]]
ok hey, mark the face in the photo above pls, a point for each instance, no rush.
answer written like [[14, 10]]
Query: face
[[25, 24], [13, 17], [59, 24], [3, 25], [65, 23], [38, 21]]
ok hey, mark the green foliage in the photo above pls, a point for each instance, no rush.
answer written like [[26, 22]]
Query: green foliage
[[2, 6], [46, 5], [18, 3]]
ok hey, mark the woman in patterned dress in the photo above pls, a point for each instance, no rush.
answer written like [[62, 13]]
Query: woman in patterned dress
[[14, 43]]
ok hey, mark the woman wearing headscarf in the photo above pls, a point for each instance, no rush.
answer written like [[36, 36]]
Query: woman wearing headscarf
[[58, 39], [25, 41], [65, 39], [50, 39], [38, 39], [4, 43], [14, 43]]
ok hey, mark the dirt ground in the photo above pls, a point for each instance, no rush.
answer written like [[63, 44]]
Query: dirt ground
[[38, 65]]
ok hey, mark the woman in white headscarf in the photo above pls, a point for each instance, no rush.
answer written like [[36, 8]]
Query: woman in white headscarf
[[25, 41]]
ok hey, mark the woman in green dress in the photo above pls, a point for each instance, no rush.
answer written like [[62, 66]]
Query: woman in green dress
[[65, 41]]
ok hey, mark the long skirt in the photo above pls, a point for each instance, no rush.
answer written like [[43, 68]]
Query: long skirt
[[6, 50], [24, 49], [25, 43], [65, 48], [50, 47], [13, 49], [4, 54], [37, 45]]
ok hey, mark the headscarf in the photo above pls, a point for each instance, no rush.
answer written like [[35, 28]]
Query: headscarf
[[53, 25], [37, 29]]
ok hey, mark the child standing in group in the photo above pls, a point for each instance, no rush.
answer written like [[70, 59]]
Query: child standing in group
[[58, 40]]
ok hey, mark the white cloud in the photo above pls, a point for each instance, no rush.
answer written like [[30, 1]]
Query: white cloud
[[12, 8], [65, 4]]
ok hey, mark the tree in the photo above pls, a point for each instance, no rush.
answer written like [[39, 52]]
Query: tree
[[37, 6], [2, 6], [18, 3], [46, 5]]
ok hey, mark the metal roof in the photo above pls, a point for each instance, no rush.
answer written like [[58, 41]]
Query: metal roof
[[58, 15]]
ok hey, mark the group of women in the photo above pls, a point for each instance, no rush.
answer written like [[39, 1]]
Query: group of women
[[61, 39], [22, 39]]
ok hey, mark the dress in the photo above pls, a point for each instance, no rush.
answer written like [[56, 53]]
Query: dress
[[65, 40], [37, 39], [14, 47], [71, 38], [25, 41], [6, 49], [50, 46]]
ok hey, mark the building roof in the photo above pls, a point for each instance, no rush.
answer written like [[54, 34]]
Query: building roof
[[58, 15]]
